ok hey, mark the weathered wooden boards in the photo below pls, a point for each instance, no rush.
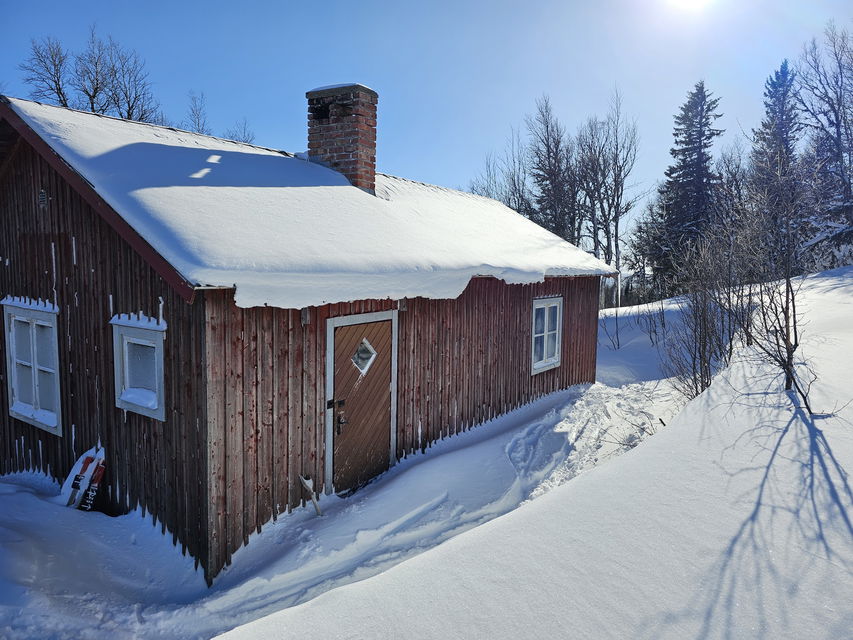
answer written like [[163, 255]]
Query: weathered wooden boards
[[244, 388], [64, 252], [460, 362]]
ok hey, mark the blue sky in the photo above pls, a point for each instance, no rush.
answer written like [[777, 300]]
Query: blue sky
[[452, 76]]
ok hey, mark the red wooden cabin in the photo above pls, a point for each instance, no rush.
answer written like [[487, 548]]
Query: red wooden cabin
[[226, 318]]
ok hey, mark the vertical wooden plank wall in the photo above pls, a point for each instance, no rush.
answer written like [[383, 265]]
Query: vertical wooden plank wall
[[464, 361], [265, 406], [67, 253], [244, 387], [460, 363]]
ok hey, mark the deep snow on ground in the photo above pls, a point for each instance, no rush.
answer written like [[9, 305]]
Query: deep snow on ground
[[733, 522], [69, 574]]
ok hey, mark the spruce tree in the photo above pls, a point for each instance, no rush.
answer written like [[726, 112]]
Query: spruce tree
[[776, 181], [775, 140], [687, 194]]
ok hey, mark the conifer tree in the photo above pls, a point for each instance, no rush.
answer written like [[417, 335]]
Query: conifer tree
[[776, 181], [775, 140], [687, 195]]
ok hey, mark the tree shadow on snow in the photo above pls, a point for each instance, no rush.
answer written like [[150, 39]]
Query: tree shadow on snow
[[748, 590]]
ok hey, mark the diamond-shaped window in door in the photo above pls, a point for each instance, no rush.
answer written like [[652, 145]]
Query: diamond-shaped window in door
[[364, 356]]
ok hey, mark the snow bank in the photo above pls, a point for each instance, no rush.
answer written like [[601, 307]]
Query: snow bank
[[629, 342], [423, 501], [290, 233], [733, 522]]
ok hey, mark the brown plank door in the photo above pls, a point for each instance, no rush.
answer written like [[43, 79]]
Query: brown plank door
[[361, 421]]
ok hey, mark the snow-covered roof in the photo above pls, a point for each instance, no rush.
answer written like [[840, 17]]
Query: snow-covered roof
[[338, 86], [290, 233]]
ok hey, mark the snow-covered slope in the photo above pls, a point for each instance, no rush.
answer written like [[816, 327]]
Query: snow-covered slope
[[291, 233], [66, 574], [735, 522]]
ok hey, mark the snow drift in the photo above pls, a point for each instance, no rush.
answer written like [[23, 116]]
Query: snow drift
[[733, 522]]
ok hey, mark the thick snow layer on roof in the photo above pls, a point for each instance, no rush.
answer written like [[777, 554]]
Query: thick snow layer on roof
[[340, 85], [290, 233]]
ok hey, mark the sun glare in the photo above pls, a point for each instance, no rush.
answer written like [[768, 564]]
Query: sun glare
[[689, 5]]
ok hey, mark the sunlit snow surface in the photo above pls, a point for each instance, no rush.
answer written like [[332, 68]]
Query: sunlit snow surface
[[733, 521], [291, 233]]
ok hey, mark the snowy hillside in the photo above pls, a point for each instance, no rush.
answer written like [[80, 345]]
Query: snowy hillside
[[733, 521]]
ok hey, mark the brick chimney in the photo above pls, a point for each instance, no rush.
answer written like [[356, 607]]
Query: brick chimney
[[342, 131]]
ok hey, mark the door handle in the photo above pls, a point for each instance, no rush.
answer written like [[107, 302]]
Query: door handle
[[342, 420]]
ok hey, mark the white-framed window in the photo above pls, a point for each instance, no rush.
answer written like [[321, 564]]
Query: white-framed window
[[138, 363], [547, 333], [32, 363]]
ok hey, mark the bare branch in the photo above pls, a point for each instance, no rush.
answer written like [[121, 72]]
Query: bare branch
[[93, 75], [240, 132], [197, 114], [47, 71], [131, 94]]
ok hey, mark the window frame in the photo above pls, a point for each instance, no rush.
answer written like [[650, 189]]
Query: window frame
[[34, 314], [150, 336], [546, 364]]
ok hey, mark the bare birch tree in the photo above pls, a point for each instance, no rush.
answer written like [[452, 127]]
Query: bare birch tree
[[93, 75], [197, 114], [103, 78], [623, 148], [47, 70], [607, 153], [240, 132], [825, 98], [131, 92], [593, 172], [550, 161]]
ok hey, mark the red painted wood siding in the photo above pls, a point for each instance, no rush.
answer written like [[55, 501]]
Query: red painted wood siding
[[265, 405], [244, 387], [464, 361], [157, 467], [460, 363]]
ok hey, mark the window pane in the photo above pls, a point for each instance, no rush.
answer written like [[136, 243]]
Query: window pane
[[552, 345], [45, 353], [538, 348], [363, 356], [539, 320], [552, 318], [141, 366], [23, 348], [47, 391], [24, 383]]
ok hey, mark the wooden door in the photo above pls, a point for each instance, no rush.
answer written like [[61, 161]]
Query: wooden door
[[361, 422]]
